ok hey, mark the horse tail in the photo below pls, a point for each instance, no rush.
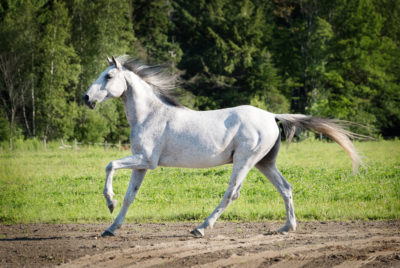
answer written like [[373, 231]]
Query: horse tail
[[329, 127]]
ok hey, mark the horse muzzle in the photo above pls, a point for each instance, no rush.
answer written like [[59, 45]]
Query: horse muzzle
[[90, 104]]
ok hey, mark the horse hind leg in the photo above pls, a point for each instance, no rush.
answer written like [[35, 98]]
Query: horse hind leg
[[285, 190], [267, 166]]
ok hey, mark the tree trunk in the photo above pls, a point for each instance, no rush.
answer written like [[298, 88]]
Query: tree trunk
[[25, 118], [12, 122], [33, 100]]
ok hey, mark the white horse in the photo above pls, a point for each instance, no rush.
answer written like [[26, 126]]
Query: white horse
[[164, 133]]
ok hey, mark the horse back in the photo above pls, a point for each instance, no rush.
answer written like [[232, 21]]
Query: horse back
[[210, 138]]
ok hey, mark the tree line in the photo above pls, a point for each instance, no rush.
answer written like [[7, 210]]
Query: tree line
[[329, 58]]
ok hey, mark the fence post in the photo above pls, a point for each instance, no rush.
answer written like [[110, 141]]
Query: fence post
[[45, 143], [75, 144], [119, 145], [105, 145]]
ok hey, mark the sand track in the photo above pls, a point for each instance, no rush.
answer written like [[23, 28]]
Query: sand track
[[314, 244]]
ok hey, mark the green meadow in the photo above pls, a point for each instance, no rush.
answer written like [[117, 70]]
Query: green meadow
[[65, 185]]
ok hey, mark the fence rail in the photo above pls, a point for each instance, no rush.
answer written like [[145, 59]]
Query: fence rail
[[105, 145]]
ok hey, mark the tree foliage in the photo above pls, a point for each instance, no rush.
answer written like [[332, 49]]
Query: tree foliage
[[337, 59]]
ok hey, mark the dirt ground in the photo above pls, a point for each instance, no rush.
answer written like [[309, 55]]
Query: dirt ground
[[314, 244]]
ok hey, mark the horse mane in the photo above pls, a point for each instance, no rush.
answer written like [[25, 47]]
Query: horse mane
[[163, 84]]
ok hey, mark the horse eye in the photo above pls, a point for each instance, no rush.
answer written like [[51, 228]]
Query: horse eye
[[108, 76]]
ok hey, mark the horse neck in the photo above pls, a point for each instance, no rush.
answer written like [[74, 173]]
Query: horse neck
[[139, 100]]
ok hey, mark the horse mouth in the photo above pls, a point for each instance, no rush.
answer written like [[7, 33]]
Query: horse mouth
[[90, 104]]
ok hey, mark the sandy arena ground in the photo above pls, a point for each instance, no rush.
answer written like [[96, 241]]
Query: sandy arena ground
[[314, 244]]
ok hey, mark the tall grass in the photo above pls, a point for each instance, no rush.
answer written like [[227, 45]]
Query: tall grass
[[66, 186]]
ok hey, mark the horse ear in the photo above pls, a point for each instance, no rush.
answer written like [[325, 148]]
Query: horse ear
[[117, 64], [110, 62]]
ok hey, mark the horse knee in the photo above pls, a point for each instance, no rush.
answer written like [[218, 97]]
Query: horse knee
[[109, 167]]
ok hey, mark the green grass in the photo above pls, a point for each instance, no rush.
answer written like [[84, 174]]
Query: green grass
[[66, 186]]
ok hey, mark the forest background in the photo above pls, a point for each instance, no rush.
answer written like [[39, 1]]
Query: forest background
[[327, 58]]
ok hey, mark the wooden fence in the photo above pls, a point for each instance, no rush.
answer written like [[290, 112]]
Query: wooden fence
[[75, 145]]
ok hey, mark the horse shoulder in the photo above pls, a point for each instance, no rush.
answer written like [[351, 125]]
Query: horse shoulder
[[147, 138]]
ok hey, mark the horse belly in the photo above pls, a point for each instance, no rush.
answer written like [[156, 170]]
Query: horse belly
[[193, 155], [194, 161], [200, 139]]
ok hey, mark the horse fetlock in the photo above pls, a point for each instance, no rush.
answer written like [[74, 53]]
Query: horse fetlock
[[109, 167], [108, 194], [235, 196]]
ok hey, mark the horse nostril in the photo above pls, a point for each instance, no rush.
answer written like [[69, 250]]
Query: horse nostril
[[85, 98]]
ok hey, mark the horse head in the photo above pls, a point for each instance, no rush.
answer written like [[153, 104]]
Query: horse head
[[110, 84]]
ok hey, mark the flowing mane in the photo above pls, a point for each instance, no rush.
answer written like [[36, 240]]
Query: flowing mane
[[163, 84]]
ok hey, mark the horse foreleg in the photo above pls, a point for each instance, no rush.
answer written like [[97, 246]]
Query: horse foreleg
[[284, 188], [130, 162], [134, 185], [239, 172]]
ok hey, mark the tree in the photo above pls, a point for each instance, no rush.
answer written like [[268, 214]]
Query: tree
[[363, 61], [303, 49], [225, 45], [100, 29], [328, 58], [387, 103], [59, 69], [18, 36], [152, 23], [13, 88]]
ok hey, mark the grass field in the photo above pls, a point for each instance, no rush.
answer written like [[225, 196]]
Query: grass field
[[65, 185]]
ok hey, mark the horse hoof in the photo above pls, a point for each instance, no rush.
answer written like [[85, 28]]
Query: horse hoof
[[107, 233], [112, 206], [197, 233], [285, 230]]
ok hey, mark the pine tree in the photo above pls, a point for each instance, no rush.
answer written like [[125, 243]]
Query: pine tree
[[226, 56], [302, 47], [152, 24]]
